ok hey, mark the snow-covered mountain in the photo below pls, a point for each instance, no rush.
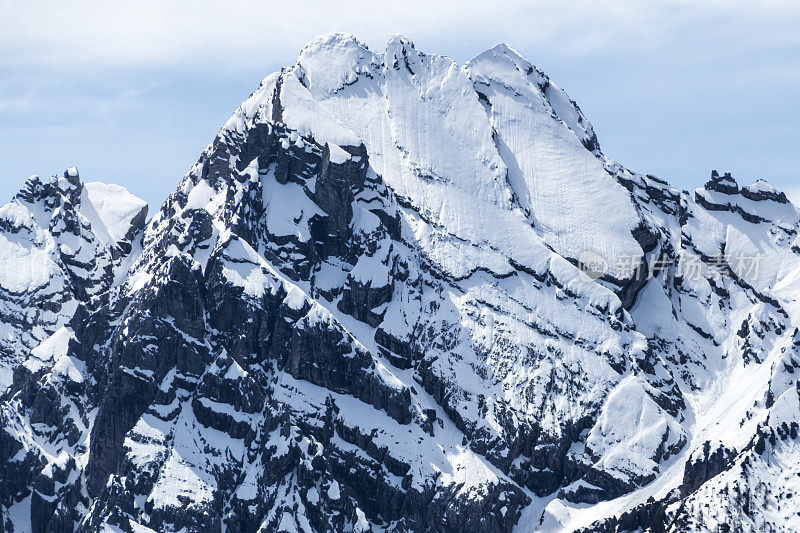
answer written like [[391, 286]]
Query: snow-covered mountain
[[399, 294]]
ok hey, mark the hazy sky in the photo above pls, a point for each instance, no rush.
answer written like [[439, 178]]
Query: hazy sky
[[132, 92]]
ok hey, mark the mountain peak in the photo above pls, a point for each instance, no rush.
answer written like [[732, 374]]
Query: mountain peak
[[336, 41], [401, 51], [332, 61], [503, 51], [400, 41]]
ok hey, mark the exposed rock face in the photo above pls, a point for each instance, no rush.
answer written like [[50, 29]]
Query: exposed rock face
[[706, 464], [362, 309]]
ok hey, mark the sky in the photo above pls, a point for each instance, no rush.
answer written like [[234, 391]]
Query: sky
[[132, 92]]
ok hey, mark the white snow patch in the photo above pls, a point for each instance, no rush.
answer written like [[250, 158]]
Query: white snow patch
[[115, 207], [200, 195]]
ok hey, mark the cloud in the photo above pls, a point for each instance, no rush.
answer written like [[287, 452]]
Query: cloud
[[167, 34]]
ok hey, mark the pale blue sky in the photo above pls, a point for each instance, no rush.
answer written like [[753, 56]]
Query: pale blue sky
[[131, 94]]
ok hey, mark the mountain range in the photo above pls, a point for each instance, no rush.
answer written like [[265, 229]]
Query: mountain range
[[400, 294]]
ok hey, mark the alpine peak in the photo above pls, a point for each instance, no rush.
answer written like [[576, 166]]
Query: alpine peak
[[399, 294]]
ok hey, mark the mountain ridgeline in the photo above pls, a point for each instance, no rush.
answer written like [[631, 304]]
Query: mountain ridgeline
[[368, 307]]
